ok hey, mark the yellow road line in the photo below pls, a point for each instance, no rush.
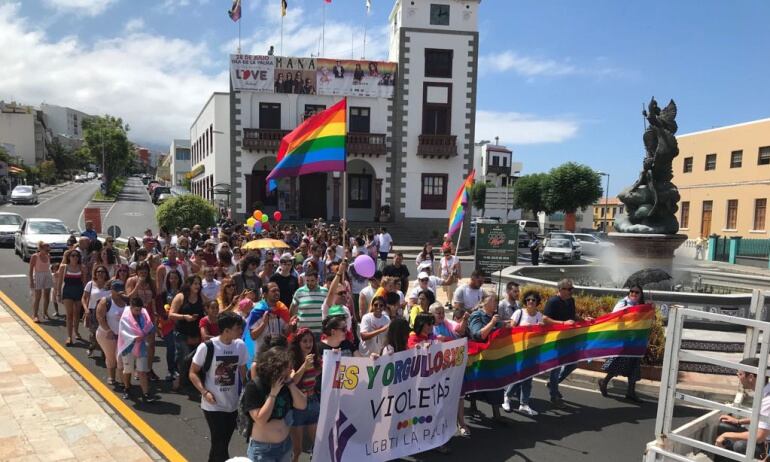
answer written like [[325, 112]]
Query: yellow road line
[[160, 443]]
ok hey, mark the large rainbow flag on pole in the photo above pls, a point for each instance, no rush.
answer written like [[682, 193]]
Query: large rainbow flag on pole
[[512, 355], [316, 145], [457, 211]]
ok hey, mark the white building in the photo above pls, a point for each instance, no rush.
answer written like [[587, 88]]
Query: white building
[[210, 148], [410, 133], [494, 166], [179, 161], [65, 124], [24, 128]]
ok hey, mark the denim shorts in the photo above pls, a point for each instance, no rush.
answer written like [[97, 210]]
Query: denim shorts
[[269, 452], [309, 415]]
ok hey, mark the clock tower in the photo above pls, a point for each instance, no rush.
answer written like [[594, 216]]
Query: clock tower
[[436, 44]]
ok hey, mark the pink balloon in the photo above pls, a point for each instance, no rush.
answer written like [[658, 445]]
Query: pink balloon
[[364, 266]]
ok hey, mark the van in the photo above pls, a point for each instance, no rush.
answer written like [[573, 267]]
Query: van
[[529, 226]]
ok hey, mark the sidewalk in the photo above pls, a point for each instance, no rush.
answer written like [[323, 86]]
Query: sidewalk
[[47, 413]]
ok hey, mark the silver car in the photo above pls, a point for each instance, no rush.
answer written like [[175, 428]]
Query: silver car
[[52, 231], [10, 223], [24, 194]]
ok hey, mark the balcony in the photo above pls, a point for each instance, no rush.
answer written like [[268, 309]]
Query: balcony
[[437, 146], [262, 138], [366, 144], [499, 169]]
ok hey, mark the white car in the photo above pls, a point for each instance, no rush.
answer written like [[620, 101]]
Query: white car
[[576, 245], [52, 231], [10, 223], [593, 245], [24, 194], [559, 250], [91, 175]]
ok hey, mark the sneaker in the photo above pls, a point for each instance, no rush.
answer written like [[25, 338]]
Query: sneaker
[[148, 398], [506, 404], [152, 376], [126, 395], [525, 409]]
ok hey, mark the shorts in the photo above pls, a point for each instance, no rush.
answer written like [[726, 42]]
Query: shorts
[[43, 281], [269, 452], [309, 415], [131, 363]]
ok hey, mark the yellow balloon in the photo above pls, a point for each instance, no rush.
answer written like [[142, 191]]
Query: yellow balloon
[[251, 221]]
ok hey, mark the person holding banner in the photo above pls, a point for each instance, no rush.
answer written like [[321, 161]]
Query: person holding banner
[[422, 332], [270, 400], [483, 321], [425, 299], [623, 365]]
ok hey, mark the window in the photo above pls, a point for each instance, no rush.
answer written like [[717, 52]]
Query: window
[[687, 165], [439, 15], [270, 116], [438, 63], [711, 162], [495, 161], [505, 161], [360, 191], [182, 154], [359, 120], [732, 214], [313, 109], [764, 156], [433, 193], [684, 219], [436, 109], [760, 209], [736, 159]]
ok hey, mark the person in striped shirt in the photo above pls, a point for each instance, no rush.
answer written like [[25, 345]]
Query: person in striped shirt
[[307, 302]]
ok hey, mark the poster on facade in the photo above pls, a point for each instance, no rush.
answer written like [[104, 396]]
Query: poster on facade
[[497, 246], [295, 75], [390, 407], [346, 77], [251, 72]]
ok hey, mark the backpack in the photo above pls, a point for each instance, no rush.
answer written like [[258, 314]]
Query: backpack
[[206, 363], [244, 423]]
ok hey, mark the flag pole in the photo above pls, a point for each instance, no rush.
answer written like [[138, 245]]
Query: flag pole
[[239, 36], [281, 53], [459, 236], [323, 30], [345, 185]]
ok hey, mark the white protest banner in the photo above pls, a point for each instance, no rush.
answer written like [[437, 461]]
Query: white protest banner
[[250, 72], [390, 407]]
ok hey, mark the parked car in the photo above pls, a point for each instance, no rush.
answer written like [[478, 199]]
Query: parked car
[[10, 223], [91, 175], [591, 245], [81, 178], [145, 181], [559, 250], [157, 191], [570, 237], [52, 231], [529, 227], [152, 185], [163, 197], [24, 194]]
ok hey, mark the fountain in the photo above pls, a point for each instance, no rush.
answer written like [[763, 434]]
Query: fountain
[[646, 233]]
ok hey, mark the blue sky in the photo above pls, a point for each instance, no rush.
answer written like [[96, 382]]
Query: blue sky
[[559, 80]]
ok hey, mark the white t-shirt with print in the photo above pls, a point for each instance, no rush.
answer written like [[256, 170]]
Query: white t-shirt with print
[[467, 296], [223, 377], [522, 318]]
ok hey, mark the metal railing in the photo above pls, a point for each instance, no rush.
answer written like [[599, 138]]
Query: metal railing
[[757, 332]]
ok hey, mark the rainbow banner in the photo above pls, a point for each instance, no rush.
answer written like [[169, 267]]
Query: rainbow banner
[[317, 145], [457, 211], [515, 354]]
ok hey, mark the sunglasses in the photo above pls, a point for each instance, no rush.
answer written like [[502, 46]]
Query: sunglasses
[[101, 272], [533, 300], [634, 292], [286, 262], [342, 292]]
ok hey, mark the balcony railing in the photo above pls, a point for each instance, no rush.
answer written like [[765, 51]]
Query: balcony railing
[[262, 138], [366, 144], [437, 145]]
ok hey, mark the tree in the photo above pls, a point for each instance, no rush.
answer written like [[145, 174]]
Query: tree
[[108, 136], [186, 211], [478, 195], [4, 156], [571, 187], [529, 193], [48, 171]]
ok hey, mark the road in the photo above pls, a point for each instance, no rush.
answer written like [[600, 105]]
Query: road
[[592, 428]]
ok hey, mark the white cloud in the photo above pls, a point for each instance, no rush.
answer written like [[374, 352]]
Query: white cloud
[[134, 25], [84, 7], [529, 66], [516, 128], [155, 83]]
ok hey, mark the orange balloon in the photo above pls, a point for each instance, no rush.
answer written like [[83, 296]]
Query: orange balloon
[[257, 215]]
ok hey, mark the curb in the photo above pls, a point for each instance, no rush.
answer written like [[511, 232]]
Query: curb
[[589, 379]]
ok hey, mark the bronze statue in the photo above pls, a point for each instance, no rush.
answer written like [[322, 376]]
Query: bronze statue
[[651, 202]]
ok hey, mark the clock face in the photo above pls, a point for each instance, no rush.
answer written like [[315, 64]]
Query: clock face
[[439, 15]]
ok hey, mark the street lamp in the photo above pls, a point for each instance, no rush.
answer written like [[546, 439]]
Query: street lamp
[[605, 222]]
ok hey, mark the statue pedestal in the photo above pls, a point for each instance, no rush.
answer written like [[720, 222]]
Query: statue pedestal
[[634, 252]]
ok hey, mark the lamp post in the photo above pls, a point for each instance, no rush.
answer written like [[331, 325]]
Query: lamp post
[[605, 222]]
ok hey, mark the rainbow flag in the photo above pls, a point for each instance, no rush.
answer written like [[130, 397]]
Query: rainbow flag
[[457, 212], [317, 145], [512, 355]]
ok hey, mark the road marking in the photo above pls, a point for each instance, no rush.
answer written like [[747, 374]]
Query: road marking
[[10, 276], [54, 197], [146, 431], [110, 210]]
